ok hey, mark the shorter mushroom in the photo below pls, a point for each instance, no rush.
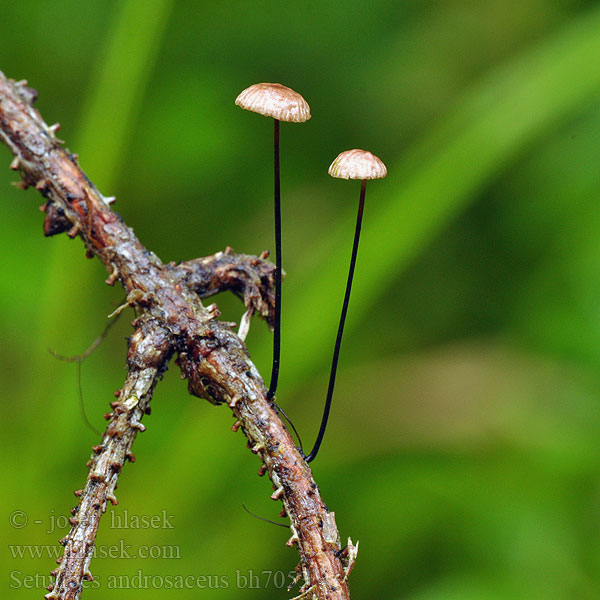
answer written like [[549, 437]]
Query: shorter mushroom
[[352, 164]]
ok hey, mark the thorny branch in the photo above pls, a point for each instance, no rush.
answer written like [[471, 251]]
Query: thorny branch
[[149, 352], [172, 320]]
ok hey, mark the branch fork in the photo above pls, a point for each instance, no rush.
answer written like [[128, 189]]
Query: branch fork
[[172, 321]]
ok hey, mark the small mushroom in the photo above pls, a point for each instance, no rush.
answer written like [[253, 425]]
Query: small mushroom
[[351, 164], [282, 104]]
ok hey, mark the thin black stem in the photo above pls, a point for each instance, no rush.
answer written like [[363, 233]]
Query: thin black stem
[[282, 413], [82, 403], [263, 519], [277, 319], [79, 358], [338, 341]]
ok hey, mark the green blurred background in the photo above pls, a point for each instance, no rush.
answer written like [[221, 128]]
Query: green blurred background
[[464, 451]]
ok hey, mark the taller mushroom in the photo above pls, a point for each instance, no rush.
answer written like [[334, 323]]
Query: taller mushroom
[[282, 104]]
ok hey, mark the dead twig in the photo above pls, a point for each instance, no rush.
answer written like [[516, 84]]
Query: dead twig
[[172, 320]]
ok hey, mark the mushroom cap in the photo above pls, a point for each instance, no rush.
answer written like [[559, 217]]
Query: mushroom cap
[[357, 164], [275, 100]]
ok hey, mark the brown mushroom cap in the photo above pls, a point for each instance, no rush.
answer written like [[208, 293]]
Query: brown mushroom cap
[[357, 164], [275, 100]]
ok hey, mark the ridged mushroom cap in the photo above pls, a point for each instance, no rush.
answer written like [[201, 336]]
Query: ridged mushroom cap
[[357, 164], [275, 100]]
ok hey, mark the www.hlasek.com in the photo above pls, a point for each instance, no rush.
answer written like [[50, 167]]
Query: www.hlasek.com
[[119, 550], [241, 579]]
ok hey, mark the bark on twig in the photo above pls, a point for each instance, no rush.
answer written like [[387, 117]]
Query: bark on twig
[[173, 321], [250, 278], [149, 350]]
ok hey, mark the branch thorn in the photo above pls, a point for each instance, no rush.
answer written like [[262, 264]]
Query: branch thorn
[[277, 493]]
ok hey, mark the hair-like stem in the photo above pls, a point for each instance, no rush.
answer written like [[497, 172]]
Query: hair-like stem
[[338, 341], [277, 319]]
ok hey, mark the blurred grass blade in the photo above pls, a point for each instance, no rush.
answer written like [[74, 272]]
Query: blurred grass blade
[[495, 122], [107, 121], [118, 85]]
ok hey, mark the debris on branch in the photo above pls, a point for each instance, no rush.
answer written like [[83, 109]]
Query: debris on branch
[[172, 321], [250, 278]]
